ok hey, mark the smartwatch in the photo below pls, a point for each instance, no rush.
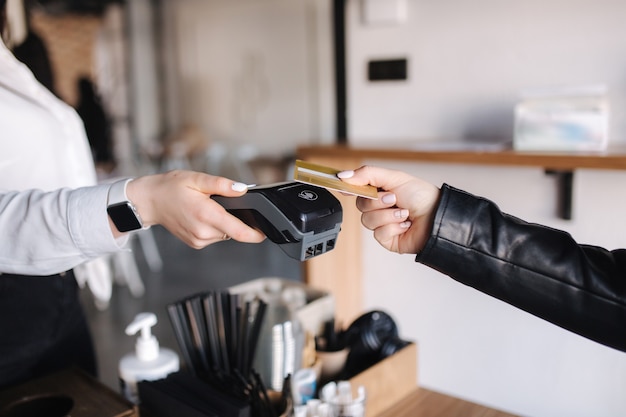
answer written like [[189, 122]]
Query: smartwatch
[[121, 211]]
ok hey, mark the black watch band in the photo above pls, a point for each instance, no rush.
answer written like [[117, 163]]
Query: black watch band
[[121, 210]]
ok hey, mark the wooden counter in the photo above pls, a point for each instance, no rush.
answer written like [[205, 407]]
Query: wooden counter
[[425, 403], [339, 271]]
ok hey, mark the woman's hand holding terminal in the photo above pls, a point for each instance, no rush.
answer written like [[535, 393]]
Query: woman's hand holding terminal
[[181, 202]]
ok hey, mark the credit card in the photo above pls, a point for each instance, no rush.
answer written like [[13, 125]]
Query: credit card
[[323, 176]]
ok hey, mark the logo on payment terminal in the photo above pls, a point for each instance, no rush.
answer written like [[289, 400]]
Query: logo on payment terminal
[[308, 195]]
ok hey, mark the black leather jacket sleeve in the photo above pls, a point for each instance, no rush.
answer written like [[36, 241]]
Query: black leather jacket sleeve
[[540, 270]]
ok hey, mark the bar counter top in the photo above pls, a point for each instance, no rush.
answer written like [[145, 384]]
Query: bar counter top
[[426, 403]]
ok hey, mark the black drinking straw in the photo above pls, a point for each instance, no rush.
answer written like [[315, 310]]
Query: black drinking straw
[[243, 345], [209, 313], [255, 332], [179, 333], [196, 330], [221, 328], [233, 340]]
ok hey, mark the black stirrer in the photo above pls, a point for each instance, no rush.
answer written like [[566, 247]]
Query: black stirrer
[[178, 326], [196, 329], [209, 314], [221, 328], [255, 332]]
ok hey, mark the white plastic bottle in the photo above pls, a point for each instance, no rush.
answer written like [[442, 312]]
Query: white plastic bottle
[[148, 363]]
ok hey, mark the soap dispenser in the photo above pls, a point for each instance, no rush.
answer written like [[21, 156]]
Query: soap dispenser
[[148, 362]]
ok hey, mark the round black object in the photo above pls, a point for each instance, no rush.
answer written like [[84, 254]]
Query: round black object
[[370, 338], [370, 331]]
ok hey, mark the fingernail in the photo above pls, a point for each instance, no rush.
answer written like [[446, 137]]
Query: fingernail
[[238, 186], [406, 224], [401, 214], [389, 199], [345, 174]]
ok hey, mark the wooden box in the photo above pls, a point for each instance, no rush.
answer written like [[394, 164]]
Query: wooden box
[[389, 381]]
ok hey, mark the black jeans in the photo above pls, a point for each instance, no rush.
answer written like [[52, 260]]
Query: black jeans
[[43, 328]]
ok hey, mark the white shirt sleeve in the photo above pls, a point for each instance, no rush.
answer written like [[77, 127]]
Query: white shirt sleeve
[[46, 233]]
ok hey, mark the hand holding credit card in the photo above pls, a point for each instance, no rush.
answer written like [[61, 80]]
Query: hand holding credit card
[[326, 177]]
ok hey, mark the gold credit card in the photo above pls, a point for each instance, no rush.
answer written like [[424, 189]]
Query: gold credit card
[[326, 177]]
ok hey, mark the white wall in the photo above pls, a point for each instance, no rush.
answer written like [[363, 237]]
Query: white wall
[[468, 61], [255, 71]]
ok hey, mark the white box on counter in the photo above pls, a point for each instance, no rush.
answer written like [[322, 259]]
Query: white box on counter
[[572, 119]]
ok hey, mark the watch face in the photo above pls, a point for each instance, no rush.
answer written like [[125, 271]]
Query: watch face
[[124, 217]]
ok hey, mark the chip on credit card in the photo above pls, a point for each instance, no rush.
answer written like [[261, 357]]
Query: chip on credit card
[[323, 176]]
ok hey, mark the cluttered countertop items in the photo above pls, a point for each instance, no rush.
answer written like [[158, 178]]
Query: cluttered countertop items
[[269, 347]]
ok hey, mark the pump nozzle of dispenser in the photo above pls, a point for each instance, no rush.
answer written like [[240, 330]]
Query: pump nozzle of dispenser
[[147, 346]]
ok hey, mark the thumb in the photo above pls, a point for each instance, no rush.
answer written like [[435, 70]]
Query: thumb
[[209, 184], [378, 177]]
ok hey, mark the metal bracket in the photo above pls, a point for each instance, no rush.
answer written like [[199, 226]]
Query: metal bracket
[[565, 185]]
